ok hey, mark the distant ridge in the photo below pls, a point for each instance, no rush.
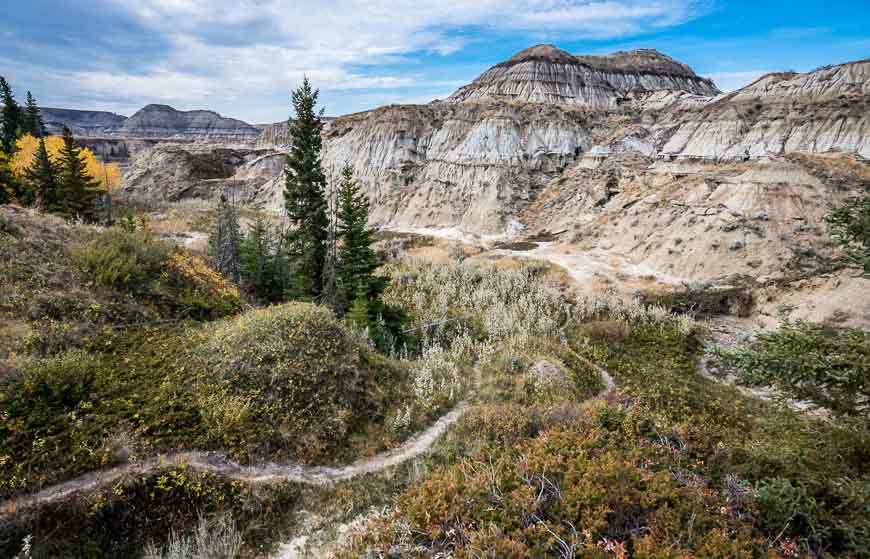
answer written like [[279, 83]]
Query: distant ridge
[[152, 121]]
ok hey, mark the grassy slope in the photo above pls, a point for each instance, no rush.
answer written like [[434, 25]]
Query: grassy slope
[[676, 466]]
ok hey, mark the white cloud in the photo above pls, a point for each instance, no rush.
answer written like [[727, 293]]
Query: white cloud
[[730, 81], [247, 49]]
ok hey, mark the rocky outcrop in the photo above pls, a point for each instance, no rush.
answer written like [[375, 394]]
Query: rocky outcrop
[[701, 220], [172, 172], [157, 122], [824, 111], [82, 123], [162, 121], [277, 135], [545, 74], [631, 149], [460, 164]]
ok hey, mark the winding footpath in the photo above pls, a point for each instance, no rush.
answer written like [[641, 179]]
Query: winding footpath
[[219, 463]]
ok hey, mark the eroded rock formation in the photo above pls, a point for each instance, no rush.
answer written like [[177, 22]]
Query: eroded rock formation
[[545, 74], [630, 152]]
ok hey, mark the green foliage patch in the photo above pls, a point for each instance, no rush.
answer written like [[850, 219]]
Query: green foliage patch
[[289, 380], [81, 410], [827, 366], [812, 472], [596, 485], [850, 227], [118, 520]]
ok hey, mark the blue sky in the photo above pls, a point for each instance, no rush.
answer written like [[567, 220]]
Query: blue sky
[[242, 57]]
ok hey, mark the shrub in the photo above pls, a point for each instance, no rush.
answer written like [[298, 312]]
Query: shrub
[[215, 539], [306, 385], [64, 380], [850, 227], [577, 491], [195, 290], [132, 261], [821, 364], [511, 306], [124, 260], [169, 505]]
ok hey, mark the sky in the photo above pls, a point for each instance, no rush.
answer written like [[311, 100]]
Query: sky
[[242, 58]]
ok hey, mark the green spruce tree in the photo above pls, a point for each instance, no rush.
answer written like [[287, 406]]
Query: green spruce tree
[[224, 240], [77, 189], [357, 260], [360, 288], [10, 119], [262, 263], [304, 196], [32, 122], [42, 178], [7, 179], [359, 315]]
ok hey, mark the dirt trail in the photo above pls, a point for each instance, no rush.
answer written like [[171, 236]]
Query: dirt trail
[[218, 463]]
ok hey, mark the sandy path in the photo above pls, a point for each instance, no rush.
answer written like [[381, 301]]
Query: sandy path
[[218, 463]]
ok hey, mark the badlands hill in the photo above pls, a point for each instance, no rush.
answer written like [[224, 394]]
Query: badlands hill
[[151, 121], [82, 123], [549, 75], [630, 152]]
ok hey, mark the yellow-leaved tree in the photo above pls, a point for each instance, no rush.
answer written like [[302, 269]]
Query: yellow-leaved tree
[[107, 174]]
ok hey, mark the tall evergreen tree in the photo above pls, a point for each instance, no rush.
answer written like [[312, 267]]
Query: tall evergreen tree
[[357, 260], [10, 118], [77, 189], [32, 121], [224, 240], [7, 179], [304, 196], [262, 263], [42, 180]]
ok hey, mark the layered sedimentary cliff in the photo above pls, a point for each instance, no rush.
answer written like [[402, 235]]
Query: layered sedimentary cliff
[[546, 74], [478, 160], [630, 151], [151, 122], [82, 123], [827, 110], [172, 172], [162, 121]]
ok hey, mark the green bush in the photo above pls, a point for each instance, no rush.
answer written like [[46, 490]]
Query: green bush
[[291, 380], [61, 416], [119, 521], [850, 227], [132, 261], [64, 380], [191, 289], [585, 490], [827, 366], [121, 259]]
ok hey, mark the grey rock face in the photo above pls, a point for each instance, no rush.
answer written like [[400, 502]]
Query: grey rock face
[[456, 164], [162, 121], [172, 172], [824, 111], [639, 133], [545, 74], [82, 123]]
